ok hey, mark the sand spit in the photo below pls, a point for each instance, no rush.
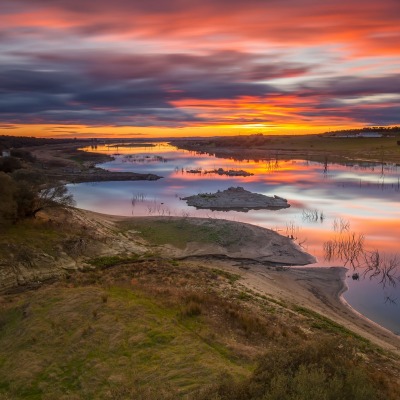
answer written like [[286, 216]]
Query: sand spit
[[223, 238], [236, 199]]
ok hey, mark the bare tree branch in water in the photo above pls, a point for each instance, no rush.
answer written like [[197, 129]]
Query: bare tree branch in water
[[390, 300], [341, 225], [348, 247], [383, 266]]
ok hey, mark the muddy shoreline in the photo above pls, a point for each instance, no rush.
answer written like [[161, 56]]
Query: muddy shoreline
[[67, 163]]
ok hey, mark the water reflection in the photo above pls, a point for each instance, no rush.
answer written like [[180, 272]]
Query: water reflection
[[321, 195]]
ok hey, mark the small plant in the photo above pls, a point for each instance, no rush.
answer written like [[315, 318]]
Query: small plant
[[192, 309], [244, 296], [110, 261]]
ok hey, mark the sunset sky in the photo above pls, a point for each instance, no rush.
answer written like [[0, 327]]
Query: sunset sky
[[76, 68]]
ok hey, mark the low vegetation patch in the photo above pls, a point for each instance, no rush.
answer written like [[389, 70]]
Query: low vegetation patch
[[320, 322], [181, 231], [328, 369], [110, 261]]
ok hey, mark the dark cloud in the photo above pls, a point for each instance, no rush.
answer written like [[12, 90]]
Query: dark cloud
[[24, 80], [351, 86], [124, 89], [383, 115]]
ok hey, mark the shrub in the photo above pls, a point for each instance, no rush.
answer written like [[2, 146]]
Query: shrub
[[23, 155], [34, 194], [192, 309], [9, 164], [328, 369], [8, 206]]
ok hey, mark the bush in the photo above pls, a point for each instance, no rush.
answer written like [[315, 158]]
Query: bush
[[23, 155], [23, 194], [33, 194], [192, 309], [329, 369], [9, 164], [8, 206]]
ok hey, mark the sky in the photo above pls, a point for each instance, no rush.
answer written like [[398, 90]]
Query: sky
[[76, 68]]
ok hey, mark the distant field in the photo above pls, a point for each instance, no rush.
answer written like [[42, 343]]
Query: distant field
[[311, 147]]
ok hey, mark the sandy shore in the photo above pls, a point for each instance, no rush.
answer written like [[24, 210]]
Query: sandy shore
[[318, 289]]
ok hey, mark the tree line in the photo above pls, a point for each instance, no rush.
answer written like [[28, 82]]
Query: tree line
[[10, 142]]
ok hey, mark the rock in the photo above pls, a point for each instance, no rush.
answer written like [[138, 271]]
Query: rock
[[236, 199]]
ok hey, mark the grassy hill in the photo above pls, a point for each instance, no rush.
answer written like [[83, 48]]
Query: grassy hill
[[159, 329]]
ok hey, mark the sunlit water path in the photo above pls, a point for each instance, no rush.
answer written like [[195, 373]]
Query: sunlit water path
[[329, 204]]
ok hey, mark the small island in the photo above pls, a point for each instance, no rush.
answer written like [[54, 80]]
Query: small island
[[220, 171], [236, 198]]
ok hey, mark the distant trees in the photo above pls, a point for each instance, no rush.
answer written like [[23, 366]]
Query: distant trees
[[13, 142], [381, 129]]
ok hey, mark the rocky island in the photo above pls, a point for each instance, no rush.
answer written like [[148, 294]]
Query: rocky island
[[236, 198]]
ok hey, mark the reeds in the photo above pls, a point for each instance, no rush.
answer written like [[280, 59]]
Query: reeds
[[312, 215]]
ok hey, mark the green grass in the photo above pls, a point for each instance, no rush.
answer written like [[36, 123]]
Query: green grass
[[31, 233], [62, 346], [327, 325], [180, 232], [232, 278], [110, 261]]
